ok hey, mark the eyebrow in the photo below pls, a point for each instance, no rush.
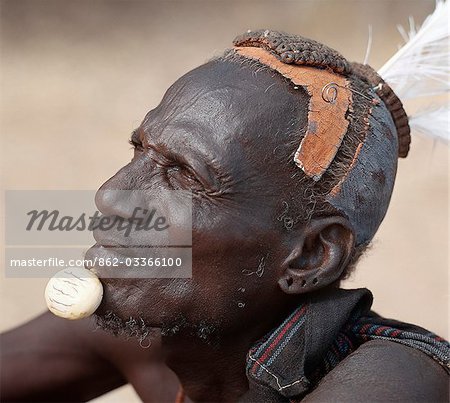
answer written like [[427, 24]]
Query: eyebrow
[[135, 136]]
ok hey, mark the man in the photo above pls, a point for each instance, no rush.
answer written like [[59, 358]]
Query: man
[[290, 153]]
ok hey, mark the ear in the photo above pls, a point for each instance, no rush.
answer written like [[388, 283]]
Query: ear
[[319, 254]]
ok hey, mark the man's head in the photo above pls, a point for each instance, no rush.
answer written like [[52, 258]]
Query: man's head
[[264, 233]]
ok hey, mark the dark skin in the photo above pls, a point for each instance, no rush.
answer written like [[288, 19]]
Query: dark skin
[[214, 133]]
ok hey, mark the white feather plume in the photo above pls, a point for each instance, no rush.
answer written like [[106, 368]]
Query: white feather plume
[[438, 117], [421, 69]]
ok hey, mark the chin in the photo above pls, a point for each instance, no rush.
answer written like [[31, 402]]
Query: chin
[[130, 328], [125, 300]]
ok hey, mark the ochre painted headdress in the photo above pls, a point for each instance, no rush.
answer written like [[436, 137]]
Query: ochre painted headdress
[[380, 129], [324, 73]]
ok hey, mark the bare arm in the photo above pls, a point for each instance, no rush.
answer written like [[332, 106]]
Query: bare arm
[[52, 359], [383, 371]]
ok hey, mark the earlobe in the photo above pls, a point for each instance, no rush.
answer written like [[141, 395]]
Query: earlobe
[[320, 253]]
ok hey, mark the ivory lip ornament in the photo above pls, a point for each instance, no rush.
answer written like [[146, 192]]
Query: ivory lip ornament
[[73, 293]]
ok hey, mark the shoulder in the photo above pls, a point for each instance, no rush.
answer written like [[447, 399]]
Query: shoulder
[[384, 371]]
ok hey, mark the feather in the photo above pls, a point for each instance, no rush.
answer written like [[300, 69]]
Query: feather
[[421, 69], [421, 66], [432, 121]]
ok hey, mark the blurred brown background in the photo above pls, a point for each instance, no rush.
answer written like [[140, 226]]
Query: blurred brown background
[[77, 76]]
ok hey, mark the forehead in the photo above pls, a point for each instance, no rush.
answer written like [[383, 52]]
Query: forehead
[[226, 110]]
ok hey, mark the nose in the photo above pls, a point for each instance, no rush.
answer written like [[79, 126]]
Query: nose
[[120, 194], [109, 198]]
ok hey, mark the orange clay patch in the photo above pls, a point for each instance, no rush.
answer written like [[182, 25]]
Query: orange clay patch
[[328, 105]]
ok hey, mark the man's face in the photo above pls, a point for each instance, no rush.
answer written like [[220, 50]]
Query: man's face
[[219, 132]]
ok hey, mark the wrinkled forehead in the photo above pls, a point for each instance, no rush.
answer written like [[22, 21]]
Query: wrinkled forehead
[[222, 105]]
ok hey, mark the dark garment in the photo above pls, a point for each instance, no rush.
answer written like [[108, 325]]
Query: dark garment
[[290, 361]]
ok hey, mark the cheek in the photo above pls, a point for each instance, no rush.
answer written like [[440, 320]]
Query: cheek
[[232, 282], [154, 300], [233, 245], [166, 298], [177, 289]]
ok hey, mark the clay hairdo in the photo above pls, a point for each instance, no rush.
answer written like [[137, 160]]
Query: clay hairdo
[[292, 49], [298, 50]]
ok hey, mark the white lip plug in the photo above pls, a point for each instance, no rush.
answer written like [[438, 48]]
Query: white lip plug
[[73, 293]]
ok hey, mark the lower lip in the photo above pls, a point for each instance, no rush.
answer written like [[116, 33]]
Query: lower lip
[[110, 262], [102, 260], [99, 251]]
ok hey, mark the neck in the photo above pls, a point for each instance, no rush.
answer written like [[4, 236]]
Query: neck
[[212, 372]]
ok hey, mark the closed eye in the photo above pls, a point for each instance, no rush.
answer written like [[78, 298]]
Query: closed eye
[[181, 177], [177, 172]]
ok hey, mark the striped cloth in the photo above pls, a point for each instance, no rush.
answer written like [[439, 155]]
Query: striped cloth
[[288, 348]]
